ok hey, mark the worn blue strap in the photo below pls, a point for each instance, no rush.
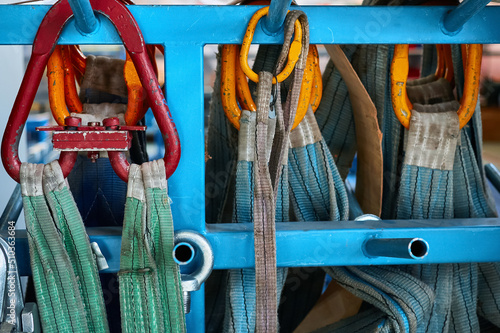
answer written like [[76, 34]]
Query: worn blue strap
[[335, 118]]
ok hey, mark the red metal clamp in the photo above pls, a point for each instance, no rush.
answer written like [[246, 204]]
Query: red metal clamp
[[92, 138], [45, 42]]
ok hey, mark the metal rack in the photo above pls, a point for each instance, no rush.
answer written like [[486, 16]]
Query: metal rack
[[184, 31]]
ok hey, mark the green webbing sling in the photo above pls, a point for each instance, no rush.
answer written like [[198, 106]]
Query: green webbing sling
[[150, 288], [67, 285]]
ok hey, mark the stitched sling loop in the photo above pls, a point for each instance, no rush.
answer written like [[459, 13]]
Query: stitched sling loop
[[237, 312], [426, 192], [98, 191], [470, 199], [150, 290], [65, 275]]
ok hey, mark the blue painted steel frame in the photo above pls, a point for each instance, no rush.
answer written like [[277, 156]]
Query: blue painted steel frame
[[184, 30]]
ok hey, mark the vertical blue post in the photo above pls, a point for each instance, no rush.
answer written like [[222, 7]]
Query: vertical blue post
[[184, 94], [276, 17], [85, 19], [453, 21]]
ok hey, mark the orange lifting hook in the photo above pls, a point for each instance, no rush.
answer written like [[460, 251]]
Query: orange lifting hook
[[399, 75], [231, 70], [61, 68], [444, 63], [293, 53]]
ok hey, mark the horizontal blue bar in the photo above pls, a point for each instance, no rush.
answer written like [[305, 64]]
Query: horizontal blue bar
[[226, 24], [305, 244]]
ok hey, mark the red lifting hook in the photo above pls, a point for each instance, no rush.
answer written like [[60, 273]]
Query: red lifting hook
[[45, 42]]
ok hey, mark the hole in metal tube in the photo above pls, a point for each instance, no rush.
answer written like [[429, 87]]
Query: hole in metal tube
[[183, 253], [419, 248]]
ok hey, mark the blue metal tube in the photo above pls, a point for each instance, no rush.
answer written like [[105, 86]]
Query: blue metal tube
[[85, 19], [276, 16], [405, 248], [493, 175], [454, 20]]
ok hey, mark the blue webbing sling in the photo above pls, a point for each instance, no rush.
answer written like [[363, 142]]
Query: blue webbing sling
[[405, 302], [457, 287]]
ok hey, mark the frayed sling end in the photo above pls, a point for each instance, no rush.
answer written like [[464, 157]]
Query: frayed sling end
[[433, 136], [307, 132], [246, 137], [31, 179], [135, 187], [154, 174], [53, 178]]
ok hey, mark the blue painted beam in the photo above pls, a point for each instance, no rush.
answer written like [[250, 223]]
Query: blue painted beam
[[184, 25], [342, 243], [184, 87], [454, 20], [86, 21], [326, 243], [186, 188]]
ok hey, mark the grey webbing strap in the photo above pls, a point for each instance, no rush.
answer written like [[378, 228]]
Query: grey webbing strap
[[285, 121], [267, 175], [264, 210], [422, 80], [104, 75], [430, 93]]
